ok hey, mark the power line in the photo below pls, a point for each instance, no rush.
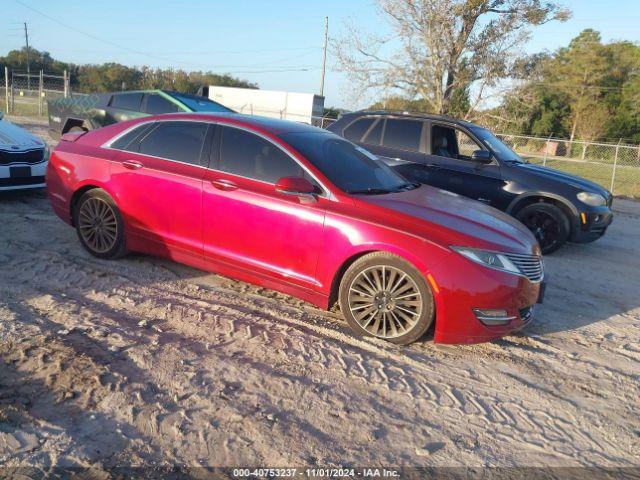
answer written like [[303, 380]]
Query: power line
[[155, 57]]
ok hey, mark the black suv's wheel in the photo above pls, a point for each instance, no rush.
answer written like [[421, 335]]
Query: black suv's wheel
[[383, 296], [548, 223], [99, 225]]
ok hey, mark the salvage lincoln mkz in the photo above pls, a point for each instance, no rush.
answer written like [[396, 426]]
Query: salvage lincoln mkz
[[300, 210]]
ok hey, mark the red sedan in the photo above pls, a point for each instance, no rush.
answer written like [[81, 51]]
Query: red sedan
[[298, 209]]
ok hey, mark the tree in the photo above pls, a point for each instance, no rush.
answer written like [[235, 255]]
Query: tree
[[439, 49], [587, 90], [108, 77], [578, 71]]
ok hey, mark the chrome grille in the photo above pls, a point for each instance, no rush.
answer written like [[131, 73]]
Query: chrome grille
[[529, 265]]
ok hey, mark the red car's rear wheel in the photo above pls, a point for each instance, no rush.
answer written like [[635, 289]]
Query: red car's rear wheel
[[99, 224]]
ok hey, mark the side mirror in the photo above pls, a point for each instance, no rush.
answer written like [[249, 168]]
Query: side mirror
[[482, 156], [297, 186]]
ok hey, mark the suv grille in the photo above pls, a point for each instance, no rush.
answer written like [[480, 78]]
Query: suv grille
[[529, 265], [30, 157]]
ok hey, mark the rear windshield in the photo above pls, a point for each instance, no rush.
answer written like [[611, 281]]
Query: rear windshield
[[200, 104]]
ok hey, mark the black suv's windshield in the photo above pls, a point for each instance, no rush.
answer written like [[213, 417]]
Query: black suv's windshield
[[200, 104], [349, 167], [500, 149]]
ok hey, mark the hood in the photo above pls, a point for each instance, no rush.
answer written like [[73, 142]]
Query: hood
[[16, 139], [579, 183], [455, 220]]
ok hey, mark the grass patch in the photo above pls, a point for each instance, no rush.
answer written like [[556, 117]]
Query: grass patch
[[627, 180]]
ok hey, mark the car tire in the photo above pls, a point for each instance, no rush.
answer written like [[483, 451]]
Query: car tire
[[383, 296], [548, 223], [99, 225]]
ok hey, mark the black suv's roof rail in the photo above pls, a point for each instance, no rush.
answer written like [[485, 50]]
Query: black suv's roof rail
[[406, 113]]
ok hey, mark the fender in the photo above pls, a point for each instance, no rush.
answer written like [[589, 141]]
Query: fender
[[553, 196]]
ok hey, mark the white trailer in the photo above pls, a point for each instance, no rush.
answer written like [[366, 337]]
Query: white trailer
[[298, 107]]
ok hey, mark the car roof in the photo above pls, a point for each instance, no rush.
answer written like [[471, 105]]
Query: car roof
[[154, 90], [400, 113], [273, 126]]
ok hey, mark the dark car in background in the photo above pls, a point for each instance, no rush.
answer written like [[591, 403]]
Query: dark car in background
[[87, 112], [469, 160]]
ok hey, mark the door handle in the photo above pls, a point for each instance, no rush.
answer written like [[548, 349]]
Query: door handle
[[224, 184], [132, 165]]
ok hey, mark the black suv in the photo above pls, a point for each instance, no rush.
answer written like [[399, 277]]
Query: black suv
[[467, 159]]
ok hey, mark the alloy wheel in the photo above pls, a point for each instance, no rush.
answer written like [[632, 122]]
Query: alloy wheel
[[385, 301], [544, 227], [98, 225]]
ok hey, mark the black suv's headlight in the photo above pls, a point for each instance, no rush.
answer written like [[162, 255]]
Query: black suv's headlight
[[592, 199]]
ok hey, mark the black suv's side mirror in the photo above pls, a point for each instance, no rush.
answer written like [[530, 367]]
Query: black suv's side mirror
[[482, 156]]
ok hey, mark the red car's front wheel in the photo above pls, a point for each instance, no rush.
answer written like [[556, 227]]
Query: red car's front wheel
[[383, 296]]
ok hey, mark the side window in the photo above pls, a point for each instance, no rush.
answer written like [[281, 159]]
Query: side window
[[127, 101], [180, 141], [466, 145], [247, 155], [155, 105], [357, 129], [375, 134], [404, 134], [127, 141], [451, 142]]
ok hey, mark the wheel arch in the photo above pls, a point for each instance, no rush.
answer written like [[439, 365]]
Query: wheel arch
[[367, 249], [81, 190], [337, 277], [531, 198]]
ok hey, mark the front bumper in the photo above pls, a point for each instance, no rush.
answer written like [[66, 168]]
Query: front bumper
[[592, 225], [459, 294], [36, 179]]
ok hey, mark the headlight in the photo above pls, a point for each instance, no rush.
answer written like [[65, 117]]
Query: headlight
[[47, 153], [592, 199], [489, 259]]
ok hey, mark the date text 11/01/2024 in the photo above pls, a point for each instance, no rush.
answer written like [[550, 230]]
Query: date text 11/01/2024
[[316, 472]]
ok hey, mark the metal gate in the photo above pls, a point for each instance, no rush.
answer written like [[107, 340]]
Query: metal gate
[[27, 94]]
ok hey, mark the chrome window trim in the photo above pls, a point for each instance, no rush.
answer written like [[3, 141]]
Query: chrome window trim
[[327, 193]]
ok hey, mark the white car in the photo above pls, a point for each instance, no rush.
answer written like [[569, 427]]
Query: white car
[[23, 158]]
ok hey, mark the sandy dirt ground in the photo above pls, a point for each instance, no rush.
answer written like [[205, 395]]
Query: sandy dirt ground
[[146, 362]]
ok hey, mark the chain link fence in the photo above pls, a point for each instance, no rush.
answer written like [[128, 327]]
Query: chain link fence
[[27, 93], [614, 166]]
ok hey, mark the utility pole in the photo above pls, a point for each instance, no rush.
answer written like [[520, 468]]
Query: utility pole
[[26, 40], [324, 54]]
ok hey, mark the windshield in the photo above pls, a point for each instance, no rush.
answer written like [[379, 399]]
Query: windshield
[[349, 167], [200, 104], [500, 149]]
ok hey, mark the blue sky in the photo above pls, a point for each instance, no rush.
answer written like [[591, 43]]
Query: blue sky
[[276, 44]]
